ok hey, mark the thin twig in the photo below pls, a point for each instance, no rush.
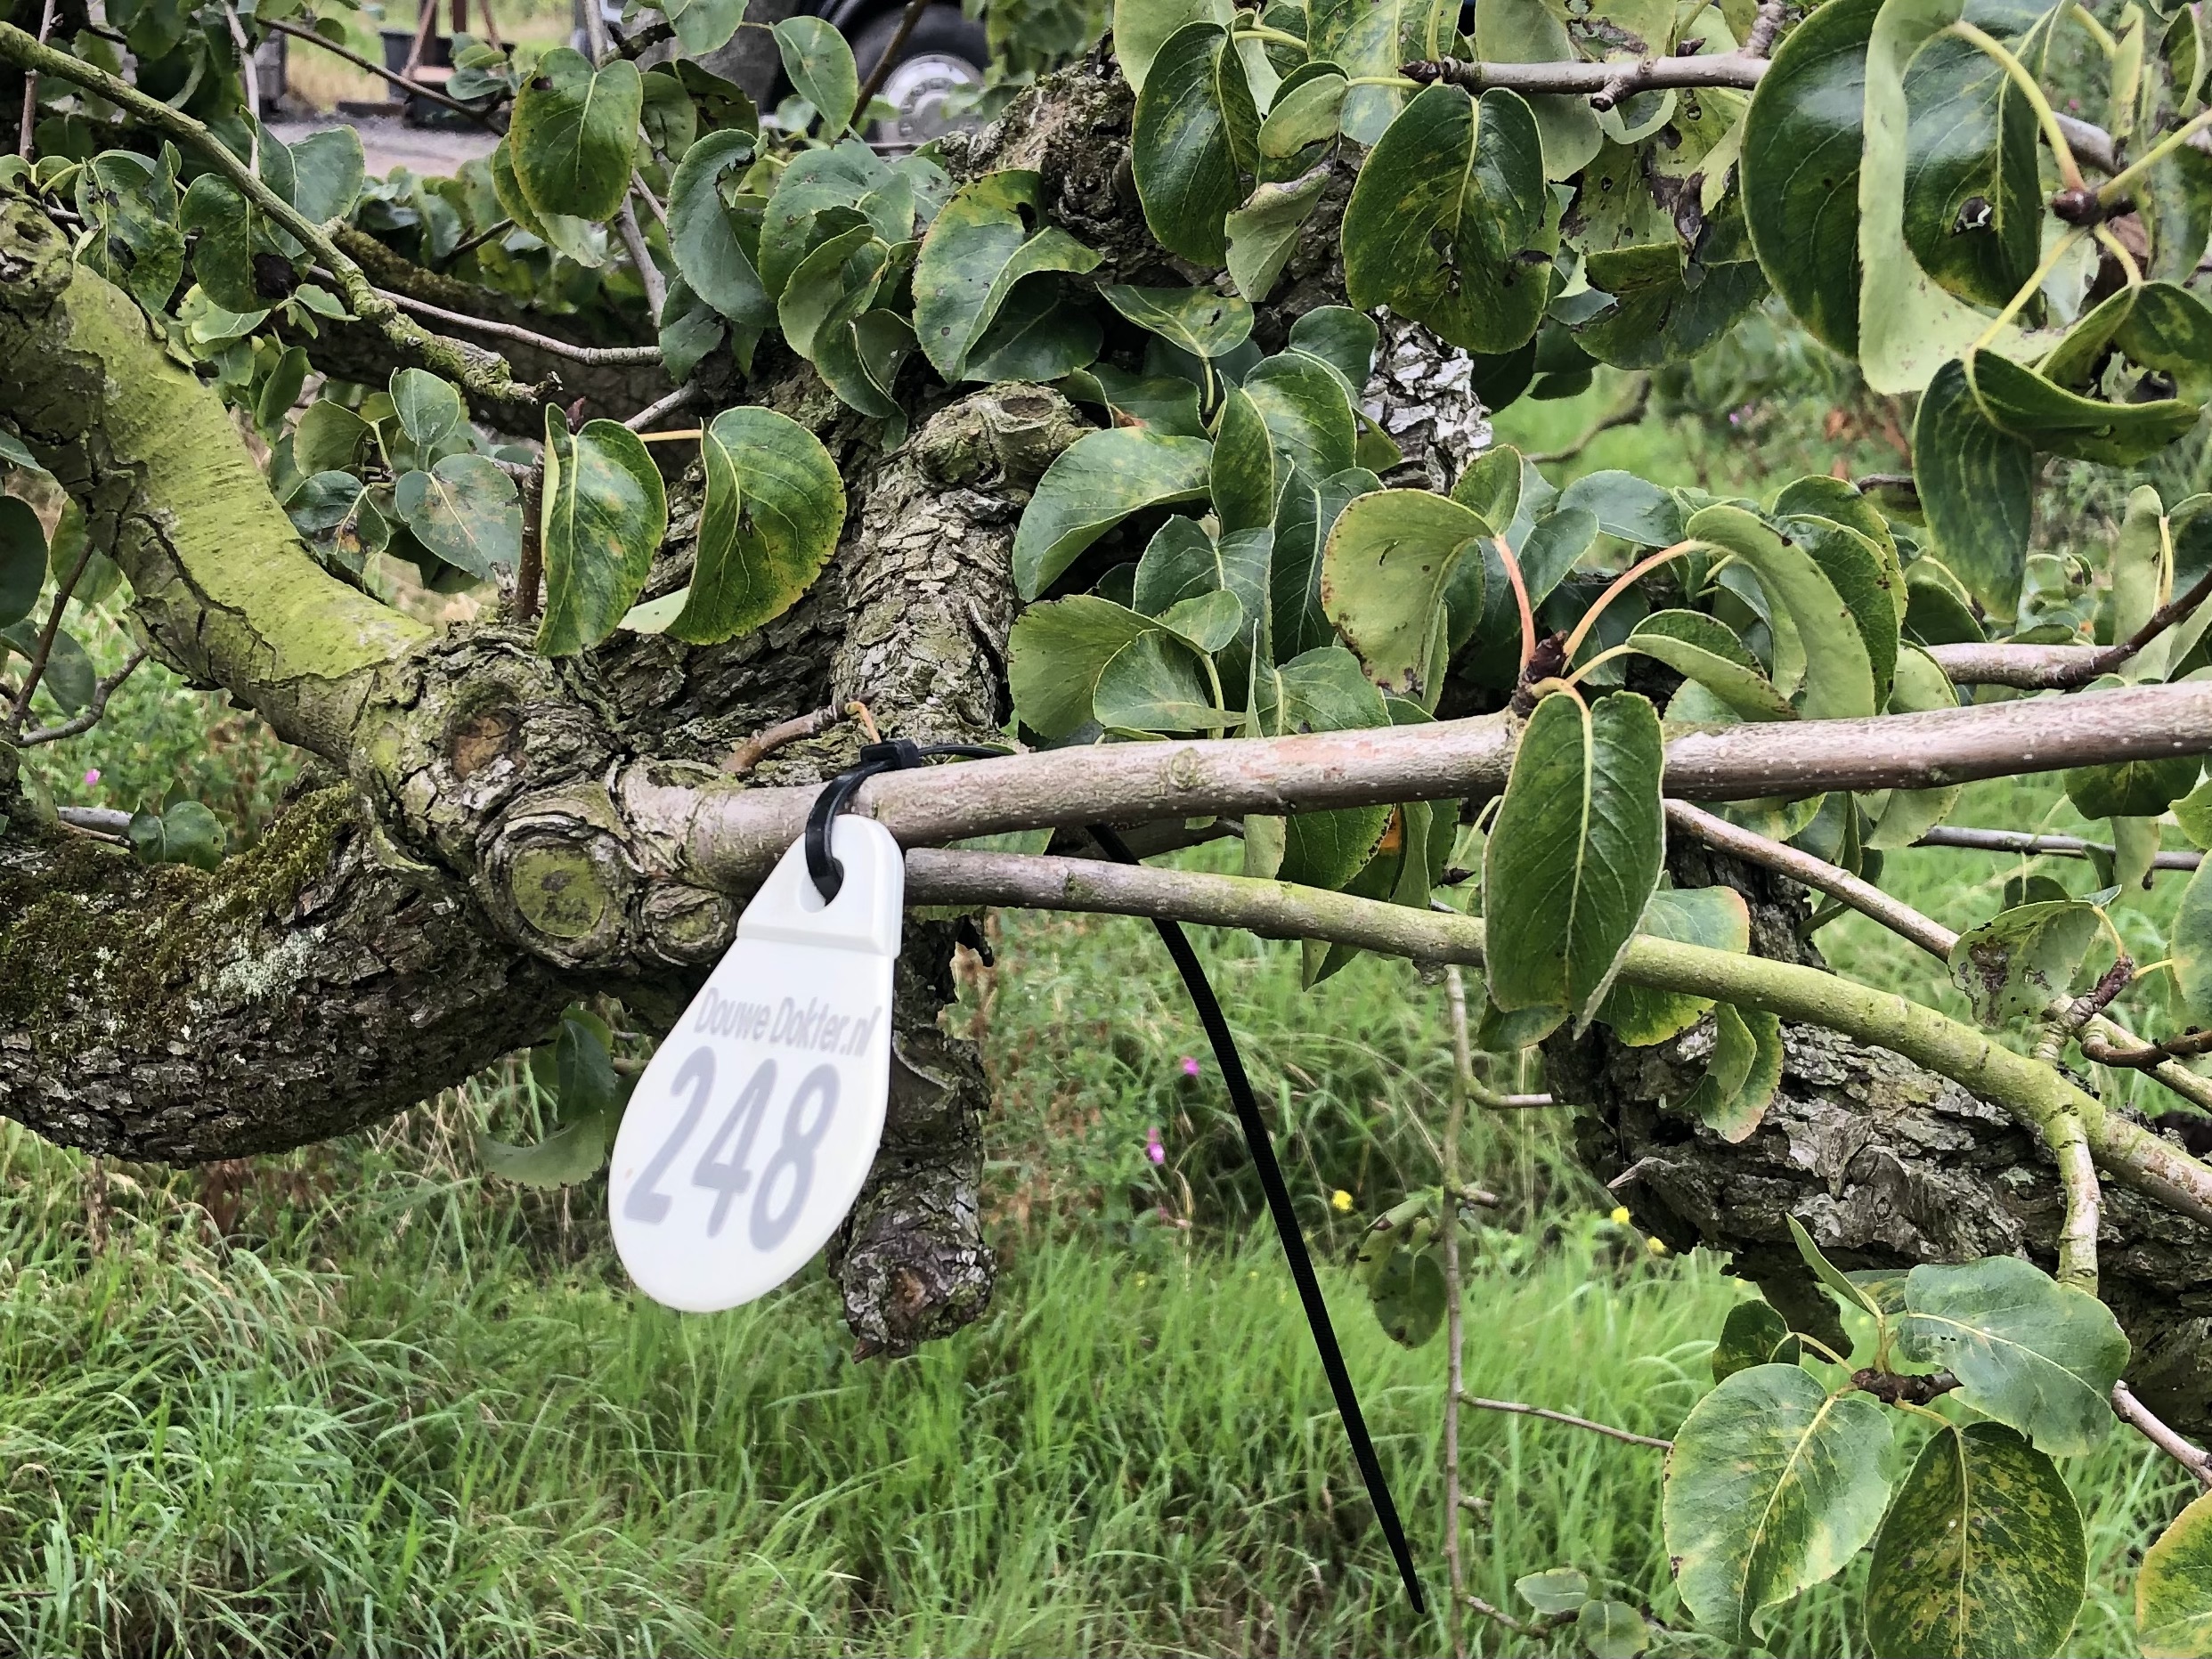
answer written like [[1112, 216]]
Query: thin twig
[[485, 374], [413, 89], [98, 820], [2145, 1422], [250, 78], [1864, 896], [88, 716], [596, 356], [2148, 1057], [1925, 932], [470, 244], [1727, 69], [884, 59], [44, 651], [1568, 1418], [1625, 414], [24, 146], [757, 747], [2061, 668], [681, 398], [1498, 1615], [1455, 1126], [643, 192], [648, 273], [2046, 846]]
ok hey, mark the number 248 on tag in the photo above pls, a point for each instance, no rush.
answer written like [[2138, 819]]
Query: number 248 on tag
[[752, 1132]]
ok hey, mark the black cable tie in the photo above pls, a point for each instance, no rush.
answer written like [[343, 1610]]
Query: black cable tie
[[829, 875], [1257, 1142], [895, 754]]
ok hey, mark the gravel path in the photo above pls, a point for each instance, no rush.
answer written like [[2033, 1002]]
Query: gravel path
[[432, 150]]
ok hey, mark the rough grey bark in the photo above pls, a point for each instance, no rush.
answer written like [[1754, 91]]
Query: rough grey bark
[[311, 986], [1887, 1166]]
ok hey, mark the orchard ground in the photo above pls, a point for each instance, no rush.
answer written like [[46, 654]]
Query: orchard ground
[[407, 1409]]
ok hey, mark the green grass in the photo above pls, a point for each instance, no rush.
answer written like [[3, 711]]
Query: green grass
[[408, 1411], [413, 1411]]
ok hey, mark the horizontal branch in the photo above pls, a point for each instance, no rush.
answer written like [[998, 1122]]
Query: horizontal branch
[[2024, 667], [2031, 1093], [735, 835], [2047, 846], [1615, 81], [2092, 145]]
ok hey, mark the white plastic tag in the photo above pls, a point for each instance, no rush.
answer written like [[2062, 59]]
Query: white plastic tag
[[752, 1132]]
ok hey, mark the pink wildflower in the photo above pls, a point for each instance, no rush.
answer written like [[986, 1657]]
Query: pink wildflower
[[1153, 1149]]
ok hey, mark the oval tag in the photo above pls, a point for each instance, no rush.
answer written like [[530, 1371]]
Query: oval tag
[[752, 1130]]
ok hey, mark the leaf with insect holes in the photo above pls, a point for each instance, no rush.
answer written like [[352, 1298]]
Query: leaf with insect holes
[[2057, 421], [605, 511], [1264, 232], [1575, 852], [1715, 917], [2034, 1355], [1854, 568], [429, 409], [185, 831], [1093, 484], [1387, 563], [1981, 1550], [1157, 683], [572, 1153], [980, 246], [1409, 1298], [1140, 28], [1773, 1485], [2174, 1587], [1919, 99], [1449, 223], [2015, 965], [1555, 1592], [465, 511], [1612, 1630], [574, 129], [703, 26], [1195, 320]]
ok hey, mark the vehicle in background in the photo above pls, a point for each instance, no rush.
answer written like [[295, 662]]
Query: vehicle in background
[[944, 54]]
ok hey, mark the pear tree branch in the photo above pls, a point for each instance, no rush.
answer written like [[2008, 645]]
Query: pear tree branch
[[2034, 1094], [482, 372], [735, 835]]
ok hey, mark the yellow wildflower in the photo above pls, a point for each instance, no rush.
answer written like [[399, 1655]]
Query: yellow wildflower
[[1340, 1202], [1620, 1216]]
